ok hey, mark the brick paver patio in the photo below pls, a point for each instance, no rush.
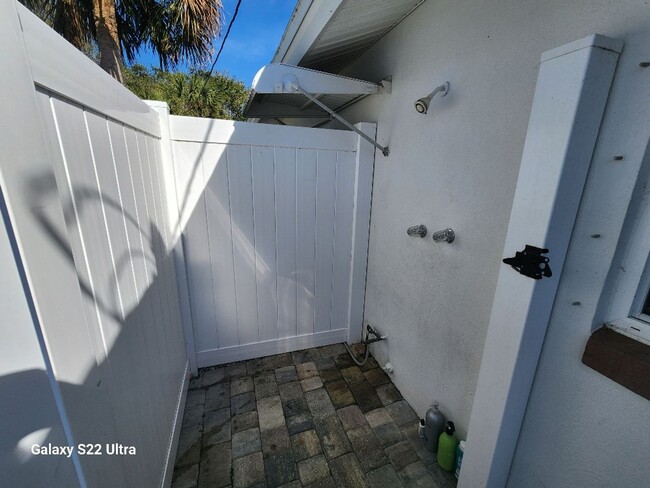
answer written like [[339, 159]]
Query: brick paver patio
[[310, 418]]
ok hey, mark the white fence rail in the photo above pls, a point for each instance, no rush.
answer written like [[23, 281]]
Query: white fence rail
[[270, 215]]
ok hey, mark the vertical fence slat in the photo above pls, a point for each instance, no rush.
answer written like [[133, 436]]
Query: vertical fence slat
[[215, 171], [305, 239], [243, 238], [265, 251], [187, 161], [342, 239], [285, 211], [325, 201]]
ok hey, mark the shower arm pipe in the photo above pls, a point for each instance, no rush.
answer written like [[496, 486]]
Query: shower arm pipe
[[442, 88], [316, 101]]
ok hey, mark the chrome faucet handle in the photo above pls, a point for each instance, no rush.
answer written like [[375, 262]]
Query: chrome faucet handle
[[417, 230], [446, 235]]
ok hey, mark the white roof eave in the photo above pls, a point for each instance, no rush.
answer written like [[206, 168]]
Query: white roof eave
[[308, 20], [270, 79]]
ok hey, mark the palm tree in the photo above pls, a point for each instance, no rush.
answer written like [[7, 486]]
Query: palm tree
[[177, 30]]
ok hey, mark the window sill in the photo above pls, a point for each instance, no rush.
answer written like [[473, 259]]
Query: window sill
[[621, 359]]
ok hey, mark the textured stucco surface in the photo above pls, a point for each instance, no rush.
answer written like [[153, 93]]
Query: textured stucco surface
[[458, 167]]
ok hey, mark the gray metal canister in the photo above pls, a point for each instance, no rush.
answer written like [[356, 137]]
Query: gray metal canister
[[434, 425]]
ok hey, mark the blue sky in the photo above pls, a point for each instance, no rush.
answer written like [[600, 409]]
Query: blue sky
[[253, 38]]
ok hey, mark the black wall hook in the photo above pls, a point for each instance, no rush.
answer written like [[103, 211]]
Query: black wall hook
[[531, 263]]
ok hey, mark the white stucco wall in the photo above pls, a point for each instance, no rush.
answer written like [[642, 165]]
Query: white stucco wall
[[582, 429], [457, 167]]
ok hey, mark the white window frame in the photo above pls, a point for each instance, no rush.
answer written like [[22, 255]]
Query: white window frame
[[632, 283]]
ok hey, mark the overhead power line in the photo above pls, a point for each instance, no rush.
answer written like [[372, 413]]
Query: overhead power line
[[234, 16]]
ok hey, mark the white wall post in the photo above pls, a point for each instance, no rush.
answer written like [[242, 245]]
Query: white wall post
[[570, 98], [174, 220], [365, 166]]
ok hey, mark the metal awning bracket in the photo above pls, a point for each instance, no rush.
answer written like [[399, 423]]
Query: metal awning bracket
[[290, 85]]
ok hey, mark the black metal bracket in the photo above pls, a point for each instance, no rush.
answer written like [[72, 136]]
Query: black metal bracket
[[531, 263]]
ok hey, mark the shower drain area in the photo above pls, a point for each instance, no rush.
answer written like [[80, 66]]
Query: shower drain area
[[310, 418]]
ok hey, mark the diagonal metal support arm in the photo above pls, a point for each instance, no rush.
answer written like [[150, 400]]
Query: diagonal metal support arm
[[384, 150]]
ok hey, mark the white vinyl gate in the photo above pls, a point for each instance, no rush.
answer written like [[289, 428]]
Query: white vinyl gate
[[275, 224]]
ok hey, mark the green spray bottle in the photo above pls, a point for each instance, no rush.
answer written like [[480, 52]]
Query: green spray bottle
[[447, 448]]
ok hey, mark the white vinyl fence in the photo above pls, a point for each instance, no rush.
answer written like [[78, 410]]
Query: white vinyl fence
[[97, 189], [83, 184], [275, 234]]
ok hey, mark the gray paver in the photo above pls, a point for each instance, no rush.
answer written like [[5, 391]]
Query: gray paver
[[248, 471], [265, 385], [305, 356], [292, 484], [280, 468], [324, 483], [410, 431], [416, 475], [332, 436], [241, 385], [388, 394], [325, 363], [306, 370], [195, 397], [311, 383], [246, 442], [306, 445], [332, 350], [401, 454], [313, 469], [189, 447], [330, 374], [384, 477], [343, 361], [216, 427], [366, 446], [286, 374], [242, 403], [214, 471], [352, 374], [193, 417], [269, 412], [377, 377], [212, 377], [352, 417], [290, 391], [235, 370], [347, 471], [300, 423], [340, 394], [297, 406], [319, 403], [217, 396], [186, 477], [244, 421], [365, 395], [402, 413], [384, 427], [443, 478], [275, 440]]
